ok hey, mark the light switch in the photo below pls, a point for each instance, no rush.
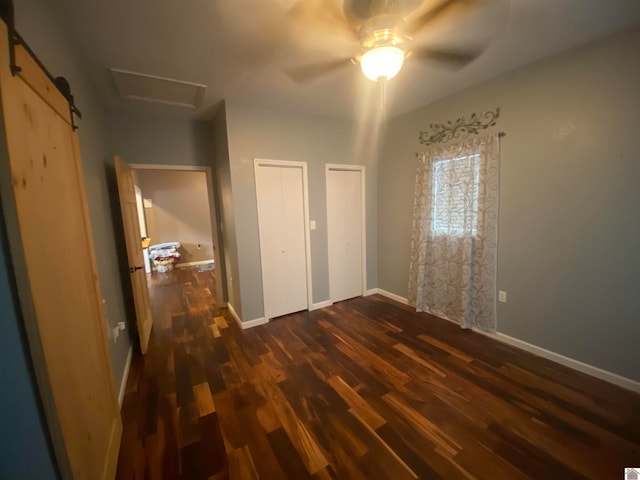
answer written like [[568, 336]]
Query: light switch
[[312, 225], [502, 296]]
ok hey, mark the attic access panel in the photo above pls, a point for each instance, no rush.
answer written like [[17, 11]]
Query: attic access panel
[[150, 88]]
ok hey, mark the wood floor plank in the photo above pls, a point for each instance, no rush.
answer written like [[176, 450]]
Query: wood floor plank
[[213, 449], [284, 451], [427, 428], [447, 348], [357, 403], [220, 322], [418, 359], [230, 427], [263, 457], [215, 330], [381, 443], [414, 463], [241, 465], [271, 368], [204, 400], [305, 444], [188, 431], [192, 462], [366, 388]]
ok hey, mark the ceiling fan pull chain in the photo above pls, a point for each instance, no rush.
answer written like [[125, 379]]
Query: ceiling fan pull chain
[[382, 81]]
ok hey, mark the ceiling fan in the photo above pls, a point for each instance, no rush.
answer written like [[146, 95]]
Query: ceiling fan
[[383, 31]]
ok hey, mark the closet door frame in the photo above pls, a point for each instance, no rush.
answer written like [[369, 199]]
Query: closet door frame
[[257, 163], [362, 170]]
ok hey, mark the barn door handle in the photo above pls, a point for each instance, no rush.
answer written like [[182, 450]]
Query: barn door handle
[[134, 269]]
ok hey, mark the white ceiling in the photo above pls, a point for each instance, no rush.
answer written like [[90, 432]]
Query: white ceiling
[[239, 48]]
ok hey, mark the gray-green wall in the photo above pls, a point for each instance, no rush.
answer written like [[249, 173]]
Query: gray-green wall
[[227, 227], [256, 133], [569, 231], [158, 140]]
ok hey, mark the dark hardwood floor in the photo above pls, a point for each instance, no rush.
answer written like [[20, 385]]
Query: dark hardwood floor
[[363, 389]]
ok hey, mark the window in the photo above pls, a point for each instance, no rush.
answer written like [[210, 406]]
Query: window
[[455, 202], [454, 243]]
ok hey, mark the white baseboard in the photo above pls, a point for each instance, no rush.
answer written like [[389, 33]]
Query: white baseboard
[[319, 305], [125, 377], [390, 295], [254, 323], [597, 372], [234, 314], [249, 324], [193, 264]]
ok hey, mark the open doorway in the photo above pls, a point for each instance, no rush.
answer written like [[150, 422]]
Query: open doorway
[[178, 218]]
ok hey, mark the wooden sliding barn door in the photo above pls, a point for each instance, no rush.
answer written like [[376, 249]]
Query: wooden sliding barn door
[[51, 243]]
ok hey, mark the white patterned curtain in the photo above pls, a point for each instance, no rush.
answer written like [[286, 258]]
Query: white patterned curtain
[[455, 232]]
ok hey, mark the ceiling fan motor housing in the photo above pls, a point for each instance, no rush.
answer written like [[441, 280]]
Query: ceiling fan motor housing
[[383, 31]]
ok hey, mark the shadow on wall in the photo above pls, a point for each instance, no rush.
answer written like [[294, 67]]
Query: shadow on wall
[[29, 453], [185, 252], [121, 249]]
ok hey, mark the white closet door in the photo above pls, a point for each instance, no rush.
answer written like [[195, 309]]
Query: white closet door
[[293, 240], [353, 214], [337, 232], [345, 224], [282, 223]]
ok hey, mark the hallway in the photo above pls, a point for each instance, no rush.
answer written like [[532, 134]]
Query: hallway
[[166, 413]]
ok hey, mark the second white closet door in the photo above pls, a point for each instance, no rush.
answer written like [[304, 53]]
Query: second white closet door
[[282, 239], [344, 219]]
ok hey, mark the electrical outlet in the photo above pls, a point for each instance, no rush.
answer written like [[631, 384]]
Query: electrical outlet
[[122, 326], [502, 296]]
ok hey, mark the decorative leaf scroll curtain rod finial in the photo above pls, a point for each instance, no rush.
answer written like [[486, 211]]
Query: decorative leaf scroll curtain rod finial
[[461, 128]]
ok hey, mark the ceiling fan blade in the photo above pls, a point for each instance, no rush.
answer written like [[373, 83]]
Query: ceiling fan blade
[[451, 58], [438, 11], [323, 15], [308, 73]]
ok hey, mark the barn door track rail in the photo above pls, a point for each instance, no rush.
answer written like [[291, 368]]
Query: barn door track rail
[[61, 83]]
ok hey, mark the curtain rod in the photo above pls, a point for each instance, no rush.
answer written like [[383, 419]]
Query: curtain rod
[[500, 135]]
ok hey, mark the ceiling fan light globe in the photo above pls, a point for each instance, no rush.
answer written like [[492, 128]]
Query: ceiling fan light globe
[[383, 62]]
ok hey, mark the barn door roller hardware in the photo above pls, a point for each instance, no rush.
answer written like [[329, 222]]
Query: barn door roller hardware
[[61, 83]]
